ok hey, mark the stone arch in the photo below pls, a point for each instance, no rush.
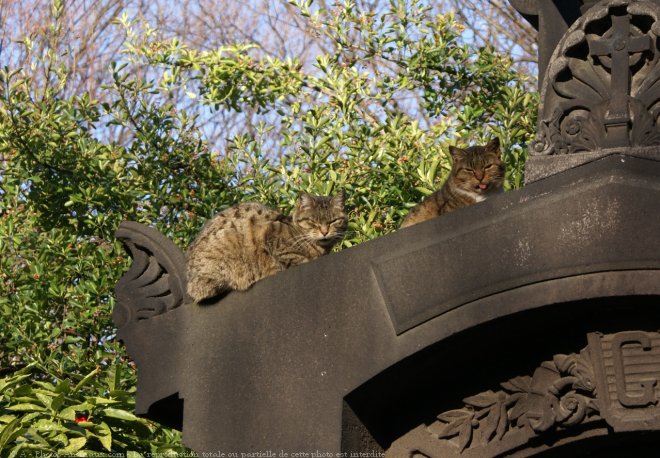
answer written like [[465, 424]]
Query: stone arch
[[411, 406]]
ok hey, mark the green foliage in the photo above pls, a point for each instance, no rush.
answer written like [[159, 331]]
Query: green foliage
[[374, 118], [63, 193], [46, 415]]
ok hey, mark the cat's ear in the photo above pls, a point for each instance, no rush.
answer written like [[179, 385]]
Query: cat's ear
[[305, 200], [457, 153], [338, 200], [493, 146]]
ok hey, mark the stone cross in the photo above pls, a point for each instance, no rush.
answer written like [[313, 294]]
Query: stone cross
[[619, 47], [599, 93]]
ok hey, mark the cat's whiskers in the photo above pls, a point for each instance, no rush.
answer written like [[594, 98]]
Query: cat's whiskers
[[326, 242], [299, 240]]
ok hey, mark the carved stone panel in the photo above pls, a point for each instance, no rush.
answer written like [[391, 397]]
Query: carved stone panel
[[627, 366], [601, 90], [613, 381]]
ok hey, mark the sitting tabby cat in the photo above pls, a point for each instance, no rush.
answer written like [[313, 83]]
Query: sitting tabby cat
[[247, 242], [476, 173]]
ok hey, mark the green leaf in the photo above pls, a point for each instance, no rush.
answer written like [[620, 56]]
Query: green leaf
[[15, 451], [106, 441], [120, 414], [45, 425], [45, 385], [33, 435], [63, 387], [103, 401], [9, 432], [425, 191], [44, 399], [26, 408], [104, 435], [11, 381], [113, 377], [74, 445], [57, 402], [86, 380]]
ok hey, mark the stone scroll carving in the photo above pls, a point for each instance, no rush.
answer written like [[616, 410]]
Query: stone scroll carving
[[156, 281], [602, 86], [613, 381]]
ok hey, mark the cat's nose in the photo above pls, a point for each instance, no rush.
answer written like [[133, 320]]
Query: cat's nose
[[479, 175], [324, 230]]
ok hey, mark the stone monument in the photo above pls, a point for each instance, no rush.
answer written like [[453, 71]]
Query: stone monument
[[537, 336]]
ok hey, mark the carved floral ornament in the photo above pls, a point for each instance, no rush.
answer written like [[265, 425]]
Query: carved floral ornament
[[155, 283], [612, 382], [602, 87]]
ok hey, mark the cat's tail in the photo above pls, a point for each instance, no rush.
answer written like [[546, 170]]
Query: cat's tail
[[155, 282]]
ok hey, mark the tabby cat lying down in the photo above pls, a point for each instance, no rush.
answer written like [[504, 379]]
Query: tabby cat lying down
[[247, 242]]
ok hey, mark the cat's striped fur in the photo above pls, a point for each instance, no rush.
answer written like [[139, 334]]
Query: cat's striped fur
[[477, 172], [249, 241]]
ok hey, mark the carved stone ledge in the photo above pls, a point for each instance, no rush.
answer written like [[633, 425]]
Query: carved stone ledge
[[612, 381]]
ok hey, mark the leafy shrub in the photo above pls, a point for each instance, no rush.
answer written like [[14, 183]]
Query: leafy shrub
[[374, 118]]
